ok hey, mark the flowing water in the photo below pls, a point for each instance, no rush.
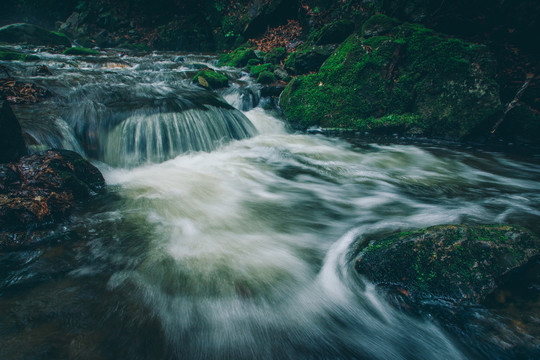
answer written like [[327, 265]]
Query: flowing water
[[225, 236]]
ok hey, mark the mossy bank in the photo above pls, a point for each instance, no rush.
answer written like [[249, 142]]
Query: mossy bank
[[408, 80]]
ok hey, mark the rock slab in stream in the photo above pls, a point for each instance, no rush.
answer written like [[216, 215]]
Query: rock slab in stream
[[12, 145], [42, 188], [459, 263]]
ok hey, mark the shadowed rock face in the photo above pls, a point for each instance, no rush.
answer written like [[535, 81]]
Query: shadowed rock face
[[458, 263], [12, 145], [32, 34], [42, 188]]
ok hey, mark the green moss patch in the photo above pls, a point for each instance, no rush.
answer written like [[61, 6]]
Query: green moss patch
[[266, 77], [416, 79], [11, 55], [80, 51], [211, 79], [238, 57], [457, 262]]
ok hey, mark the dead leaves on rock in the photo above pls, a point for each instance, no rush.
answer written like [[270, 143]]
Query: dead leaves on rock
[[19, 92]]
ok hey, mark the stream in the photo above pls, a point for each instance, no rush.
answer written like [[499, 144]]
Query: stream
[[224, 235]]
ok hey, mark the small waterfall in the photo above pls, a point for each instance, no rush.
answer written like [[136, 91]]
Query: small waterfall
[[151, 138]]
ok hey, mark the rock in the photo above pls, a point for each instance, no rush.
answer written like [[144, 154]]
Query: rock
[[333, 33], [70, 26], [211, 79], [44, 187], [281, 74], [237, 58], [275, 56], [456, 263], [80, 51], [411, 81], [308, 59], [266, 77], [12, 145], [32, 34], [378, 24], [255, 71]]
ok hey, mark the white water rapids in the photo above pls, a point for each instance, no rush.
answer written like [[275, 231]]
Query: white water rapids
[[243, 249]]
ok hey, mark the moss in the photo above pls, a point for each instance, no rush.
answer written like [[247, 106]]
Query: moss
[[211, 79], [411, 79], [266, 77], [333, 33], [275, 56], [11, 55], [378, 24], [237, 58], [454, 261], [80, 51], [255, 71]]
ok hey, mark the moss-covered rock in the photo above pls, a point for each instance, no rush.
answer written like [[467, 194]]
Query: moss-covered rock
[[333, 33], [211, 79], [12, 55], [32, 34], [276, 56], [80, 51], [307, 59], [459, 263], [378, 24], [439, 86], [266, 77], [238, 57], [255, 71]]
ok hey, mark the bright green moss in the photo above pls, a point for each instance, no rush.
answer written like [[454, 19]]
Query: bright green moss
[[237, 58], [412, 80], [211, 79], [255, 71], [266, 77], [80, 51]]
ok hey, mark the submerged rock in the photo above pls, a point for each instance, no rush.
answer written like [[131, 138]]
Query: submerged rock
[[32, 34], [12, 145], [409, 81], [42, 188], [457, 263]]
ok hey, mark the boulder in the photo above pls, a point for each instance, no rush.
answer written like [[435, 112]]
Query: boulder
[[410, 81], [264, 14], [276, 56], [211, 79], [43, 188], [308, 59], [12, 145], [238, 57], [333, 33], [32, 34], [457, 263]]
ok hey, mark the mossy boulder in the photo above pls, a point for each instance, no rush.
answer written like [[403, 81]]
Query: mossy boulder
[[32, 34], [255, 71], [307, 59], [211, 79], [457, 263], [276, 56], [80, 51], [266, 77], [12, 55], [378, 24], [238, 57], [413, 81], [333, 33]]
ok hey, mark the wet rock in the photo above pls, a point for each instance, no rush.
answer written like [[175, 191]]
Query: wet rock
[[456, 263], [211, 79], [43, 188], [12, 145], [32, 34]]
